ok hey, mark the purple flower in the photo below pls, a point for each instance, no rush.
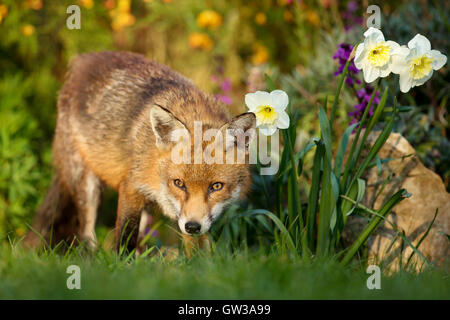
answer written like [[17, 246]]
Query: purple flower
[[352, 6], [364, 95], [148, 227], [350, 16], [226, 85], [342, 54], [154, 233], [224, 99]]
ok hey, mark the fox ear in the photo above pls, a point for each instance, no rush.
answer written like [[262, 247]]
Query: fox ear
[[166, 127], [240, 128]]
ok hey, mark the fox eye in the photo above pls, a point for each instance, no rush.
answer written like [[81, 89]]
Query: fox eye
[[179, 184], [216, 186]]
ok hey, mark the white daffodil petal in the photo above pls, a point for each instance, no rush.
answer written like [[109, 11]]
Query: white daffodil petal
[[280, 100], [405, 81], [399, 60], [256, 99], [251, 101], [370, 41], [421, 43], [420, 82], [401, 50], [385, 70], [258, 122], [283, 120], [370, 73], [359, 50], [399, 64], [361, 58], [267, 131], [374, 34], [439, 60], [394, 45]]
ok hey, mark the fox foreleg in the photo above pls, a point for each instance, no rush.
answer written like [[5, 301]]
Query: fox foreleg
[[131, 204]]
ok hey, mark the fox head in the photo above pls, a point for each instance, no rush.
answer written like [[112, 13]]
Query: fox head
[[196, 192]]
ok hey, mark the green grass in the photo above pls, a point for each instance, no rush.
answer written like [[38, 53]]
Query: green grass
[[27, 275]]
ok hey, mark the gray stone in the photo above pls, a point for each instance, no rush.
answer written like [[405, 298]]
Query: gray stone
[[412, 216]]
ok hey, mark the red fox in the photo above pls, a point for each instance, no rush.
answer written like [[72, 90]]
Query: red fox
[[117, 112]]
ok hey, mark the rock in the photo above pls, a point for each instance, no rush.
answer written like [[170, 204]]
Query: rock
[[412, 215]]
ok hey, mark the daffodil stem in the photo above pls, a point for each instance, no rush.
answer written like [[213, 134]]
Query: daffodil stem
[[266, 193], [338, 93], [350, 159], [297, 206]]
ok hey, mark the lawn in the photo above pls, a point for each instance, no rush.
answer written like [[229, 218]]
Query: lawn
[[243, 275]]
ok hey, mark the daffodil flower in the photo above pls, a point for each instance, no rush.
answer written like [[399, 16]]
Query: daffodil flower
[[415, 63], [374, 55], [269, 109]]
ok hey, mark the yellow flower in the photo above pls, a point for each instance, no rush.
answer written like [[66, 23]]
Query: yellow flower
[[124, 5], [122, 20], [121, 16], [3, 12], [209, 19], [198, 40], [33, 4], [88, 4], [27, 30], [312, 17], [260, 55], [260, 18]]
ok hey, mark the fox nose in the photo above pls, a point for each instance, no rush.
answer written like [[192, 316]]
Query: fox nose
[[192, 227]]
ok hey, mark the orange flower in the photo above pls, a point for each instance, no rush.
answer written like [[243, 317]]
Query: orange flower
[[326, 3], [3, 12], [109, 4], [313, 17], [198, 40], [288, 16], [260, 18], [260, 54], [27, 30], [33, 4], [209, 19], [88, 4]]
